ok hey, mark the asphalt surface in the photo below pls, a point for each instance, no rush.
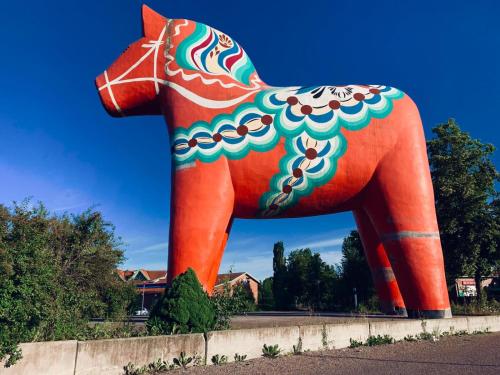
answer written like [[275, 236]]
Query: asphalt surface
[[476, 354]]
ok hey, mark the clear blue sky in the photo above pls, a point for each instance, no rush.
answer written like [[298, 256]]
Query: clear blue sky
[[59, 146]]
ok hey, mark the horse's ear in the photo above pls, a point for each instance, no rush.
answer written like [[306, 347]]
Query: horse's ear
[[152, 22]]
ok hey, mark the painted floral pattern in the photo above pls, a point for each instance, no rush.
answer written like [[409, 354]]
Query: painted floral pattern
[[309, 118], [213, 52]]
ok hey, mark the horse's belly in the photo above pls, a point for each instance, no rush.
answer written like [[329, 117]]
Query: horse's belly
[[252, 179]]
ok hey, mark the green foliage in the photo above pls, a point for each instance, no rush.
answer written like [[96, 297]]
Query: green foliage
[[355, 343], [183, 360], [481, 307], [152, 368], [355, 273], [271, 351], [231, 302], [280, 285], [302, 280], [57, 272], [219, 360], [183, 308], [467, 203], [379, 340], [266, 297], [239, 357], [297, 349]]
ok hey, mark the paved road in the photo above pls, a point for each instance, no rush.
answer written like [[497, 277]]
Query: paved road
[[478, 354]]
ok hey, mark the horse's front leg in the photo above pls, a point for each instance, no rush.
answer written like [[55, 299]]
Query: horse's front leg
[[201, 208]]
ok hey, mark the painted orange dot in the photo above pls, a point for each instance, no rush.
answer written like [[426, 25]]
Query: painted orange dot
[[287, 189], [192, 142], [292, 100], [375, 91], [217, 137]]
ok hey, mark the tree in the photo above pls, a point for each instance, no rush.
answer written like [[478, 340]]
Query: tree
[[464, 178], [56, 272], [280, 284], [354, 271], [266, 298], [185, 306], [305, 280]]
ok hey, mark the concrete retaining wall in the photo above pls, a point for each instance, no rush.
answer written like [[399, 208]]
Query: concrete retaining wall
[[52, 357], [110, 356], [107, 357], [249, 342]]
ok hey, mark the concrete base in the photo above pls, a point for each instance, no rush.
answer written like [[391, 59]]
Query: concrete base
[[110, 356], [52, 357], [249, 342], [429, 314]]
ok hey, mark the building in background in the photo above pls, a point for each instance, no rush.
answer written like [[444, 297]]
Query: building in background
[[150, 284], [466, 286]]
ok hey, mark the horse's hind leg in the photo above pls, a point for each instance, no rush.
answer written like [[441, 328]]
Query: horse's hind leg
[[400, 203], [391, 301]]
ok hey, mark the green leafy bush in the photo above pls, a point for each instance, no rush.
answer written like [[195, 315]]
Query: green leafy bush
[[184, 307], [56, 272], [231, 302]]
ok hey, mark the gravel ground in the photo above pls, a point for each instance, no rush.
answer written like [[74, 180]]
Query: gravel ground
[[478, 354]]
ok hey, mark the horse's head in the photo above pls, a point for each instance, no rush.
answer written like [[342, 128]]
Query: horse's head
[[131, 85], [185, 55]]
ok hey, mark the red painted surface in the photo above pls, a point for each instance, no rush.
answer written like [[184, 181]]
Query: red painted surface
[[383, 176]]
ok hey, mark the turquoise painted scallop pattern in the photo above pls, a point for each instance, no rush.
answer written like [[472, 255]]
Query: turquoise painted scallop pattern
[[310, 119]]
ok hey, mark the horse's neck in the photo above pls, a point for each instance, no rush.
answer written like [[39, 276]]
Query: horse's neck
[[186, 104]]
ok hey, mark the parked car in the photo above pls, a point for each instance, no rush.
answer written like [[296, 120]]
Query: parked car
[[143, 312]]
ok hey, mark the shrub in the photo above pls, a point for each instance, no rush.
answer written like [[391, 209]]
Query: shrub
[[184, 307], [56, 272], [231, 302]]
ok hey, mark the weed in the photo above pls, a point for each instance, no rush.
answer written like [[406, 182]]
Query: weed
[[239, 357], [324, 338], [219, 359], [379, 340], [271, 351], [130, 369], [150, 369], [159, 366], [481, 332], [425, 336], [183, 360], [410, 338], [297, 349], [355, 343]]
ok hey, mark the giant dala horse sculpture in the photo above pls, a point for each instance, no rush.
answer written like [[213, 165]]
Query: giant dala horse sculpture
[[243, 149]]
